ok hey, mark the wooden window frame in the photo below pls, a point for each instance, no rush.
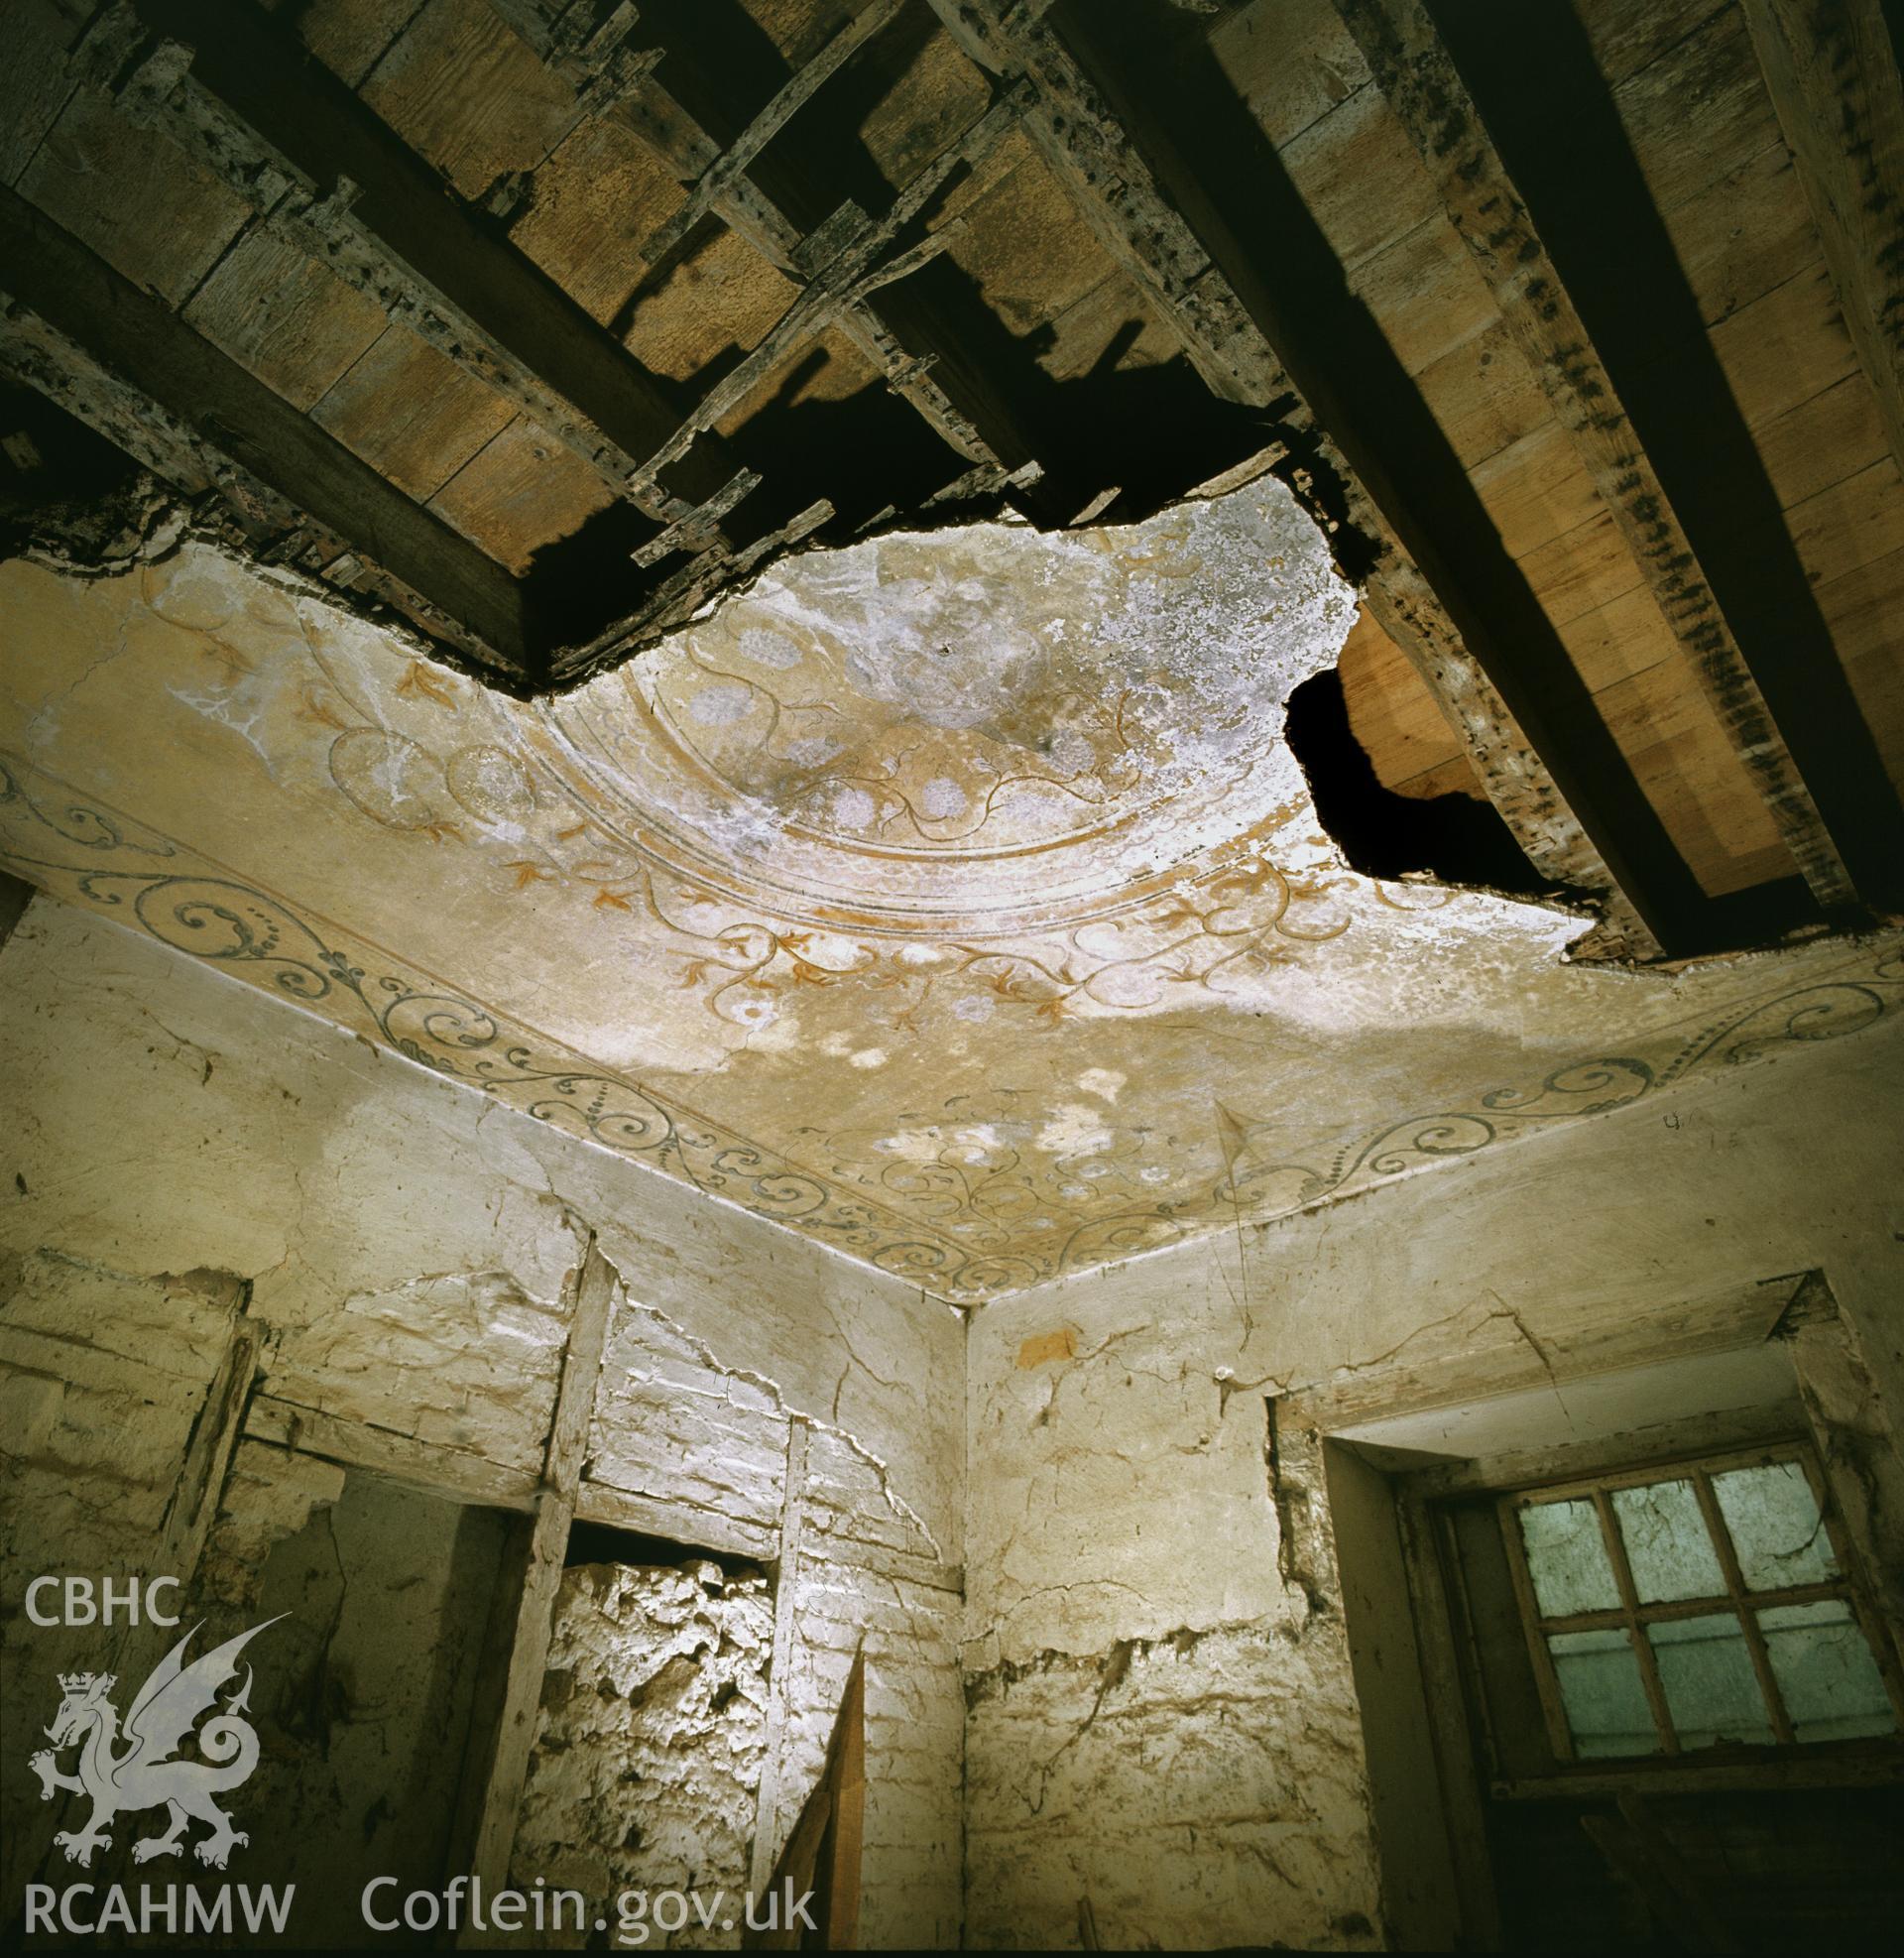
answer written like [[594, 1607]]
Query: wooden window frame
[[1632, 1616]]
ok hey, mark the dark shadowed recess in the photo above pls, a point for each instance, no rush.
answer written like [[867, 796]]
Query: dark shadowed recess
[[1454, 838], [52, 467], [601, 1542]]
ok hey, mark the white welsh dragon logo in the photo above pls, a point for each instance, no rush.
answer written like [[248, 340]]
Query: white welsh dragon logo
[[148, 1773]]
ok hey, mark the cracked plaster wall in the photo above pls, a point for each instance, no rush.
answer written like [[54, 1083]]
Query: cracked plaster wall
[[402, 1247], [1162, 1709], [1158, 1707]]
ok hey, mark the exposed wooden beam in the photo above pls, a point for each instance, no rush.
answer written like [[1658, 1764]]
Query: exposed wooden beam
[[1116, 192], [432, 1467], [731, 164], [1417, 76], [121, 361], [1832, 69], [971, 424]]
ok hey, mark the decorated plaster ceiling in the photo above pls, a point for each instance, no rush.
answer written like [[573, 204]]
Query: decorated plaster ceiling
[[953, 898]]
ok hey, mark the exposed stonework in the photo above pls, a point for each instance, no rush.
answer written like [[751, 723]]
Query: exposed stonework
[[654, 1722]]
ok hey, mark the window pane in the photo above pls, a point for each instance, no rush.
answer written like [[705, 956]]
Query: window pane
[[1602, 1694], [1566, 1558], [1824, 1669], [1667, 1543], [1712, 1692], [1776, 1528]]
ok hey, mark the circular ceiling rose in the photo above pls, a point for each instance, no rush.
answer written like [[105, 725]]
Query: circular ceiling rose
[[976, 729]]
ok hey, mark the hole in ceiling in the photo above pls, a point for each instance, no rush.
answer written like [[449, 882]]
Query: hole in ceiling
[[1453, 838], [54, 471]]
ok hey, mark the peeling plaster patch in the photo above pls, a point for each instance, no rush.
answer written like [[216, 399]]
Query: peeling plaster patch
[[690, 929], [721, 705], [854, 808], [1042, 1348], [943, 797], [1074, 1130]]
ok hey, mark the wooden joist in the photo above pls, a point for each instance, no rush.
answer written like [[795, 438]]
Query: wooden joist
[[1831, 68], [299, 146], [973, 426], [1417, 76], [432, 1467], [124, 363], [1115, 189]]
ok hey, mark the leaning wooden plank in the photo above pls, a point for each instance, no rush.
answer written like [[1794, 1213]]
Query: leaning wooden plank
[[1832, 69], [453, 1472], [1417, 76], [543, 1571], [1117, 193], [120, 360]]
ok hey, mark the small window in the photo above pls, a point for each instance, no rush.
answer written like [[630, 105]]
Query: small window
[[1703, 1605]]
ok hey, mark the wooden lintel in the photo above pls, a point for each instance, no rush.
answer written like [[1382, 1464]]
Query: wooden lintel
[[123, 362], [432, 1467], [1831, 68], [1118, 194], [679, 1523], [1418, 78]]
